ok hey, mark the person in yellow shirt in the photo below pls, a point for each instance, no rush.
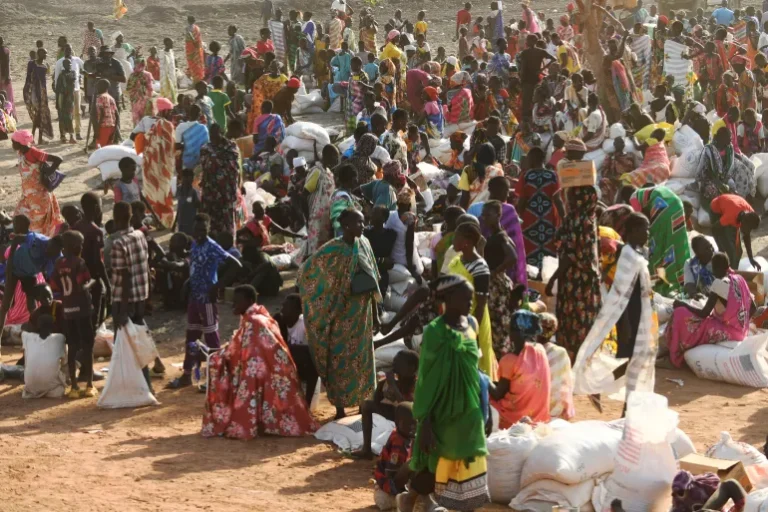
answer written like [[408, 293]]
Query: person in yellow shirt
[[566, 55], [421, 26]]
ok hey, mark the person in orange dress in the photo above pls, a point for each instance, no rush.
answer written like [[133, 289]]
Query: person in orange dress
[[195, 51]]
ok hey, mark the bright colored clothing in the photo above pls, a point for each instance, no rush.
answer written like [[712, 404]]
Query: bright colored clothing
[[37, 203], [728, 207], [159, 169], [654, 169], [529, 386], [265, 88], [195, 53]]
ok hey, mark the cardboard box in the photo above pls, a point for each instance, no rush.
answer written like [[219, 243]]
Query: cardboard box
[[577, 174], [725, 469], [756, 283]]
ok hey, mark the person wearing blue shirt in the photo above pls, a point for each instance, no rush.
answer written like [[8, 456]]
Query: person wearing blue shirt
[[723, 15], [29, 258], [204, 284], [191, 137]]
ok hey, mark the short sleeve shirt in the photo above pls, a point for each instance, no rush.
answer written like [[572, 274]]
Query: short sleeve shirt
[[93, 243], [69, 276], [220, 101], [204, 261], [729, 206]]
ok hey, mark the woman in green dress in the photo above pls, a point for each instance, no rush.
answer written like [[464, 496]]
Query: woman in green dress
[[339, 291]]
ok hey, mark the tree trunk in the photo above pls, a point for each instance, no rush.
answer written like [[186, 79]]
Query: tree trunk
[[592, 21]]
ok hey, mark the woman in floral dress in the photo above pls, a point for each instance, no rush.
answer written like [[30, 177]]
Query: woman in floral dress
[[139, 91], [255, 388], [220, 160]]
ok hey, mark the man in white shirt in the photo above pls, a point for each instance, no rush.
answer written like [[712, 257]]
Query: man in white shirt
[[77, 67]]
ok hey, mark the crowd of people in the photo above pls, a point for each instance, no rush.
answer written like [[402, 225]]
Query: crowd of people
[[514, 102]]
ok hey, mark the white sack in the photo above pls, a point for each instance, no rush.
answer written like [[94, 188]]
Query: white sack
[[548, 493], [43, 359], [686, 164], [746, 364], [678, 185], [110, 170], [507, 452], [686, 138], [347, 433], [113, 152], [311, 131], [728, 449]]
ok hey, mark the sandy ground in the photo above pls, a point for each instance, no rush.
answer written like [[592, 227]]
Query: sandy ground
[[56, 454]]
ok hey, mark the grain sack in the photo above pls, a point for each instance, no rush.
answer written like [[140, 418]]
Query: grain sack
[[311, 131], [728, 449], [43, 360], [742, 363], [543, 495], [507, 451], [108, 153], [686, 164]]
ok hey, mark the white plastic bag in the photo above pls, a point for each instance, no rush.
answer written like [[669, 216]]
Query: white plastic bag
[[543, 495], [43, 359], [104, 342], [645, 463], [126, 386], [312, 131], [572, 455], [728, 449], [113, 152], [507, 452], [347, 433], [110, 170], [744, 363], [686, 164]]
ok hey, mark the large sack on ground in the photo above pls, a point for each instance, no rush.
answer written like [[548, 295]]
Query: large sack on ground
[[757, 501], [685, 165], [678, 185], [762, 184], [43, 359], [507, 451], [384, 356], [686, 138], [704, 219], [312, 131], [645, 463], [108, 153], [543, 495], [742, 363], [292, 142], [126, 386], [584, 450], [728, 449], [347, 433]]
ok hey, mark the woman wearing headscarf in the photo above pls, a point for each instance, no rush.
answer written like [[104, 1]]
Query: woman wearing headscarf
[[160, 164], [434, 118], [456, 161], [668, 245], [449, 452], [460, 101], [388, 79], [193, 38], [339, 291], [578, 275], [565, 30], [37, 202], [475, 177], [36, 96], [342, 198], [723, 170], [319, 186], [361, 158], [140, 91]]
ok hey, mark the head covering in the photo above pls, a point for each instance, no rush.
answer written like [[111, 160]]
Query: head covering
[[570, 7], [140, 65], [458, 136], [366, 145], [449, 281], [393, 34], [699, 108], [565, 18], [293, 83], [23, 137], [431, 93], [738, 59], [663, 20], [299, 161], [452, 60], [526, 322], [548, 323], [575, 144], [461, 78], [504, 93], [563, 135], [163, 104], [392, 169], [410, 48]]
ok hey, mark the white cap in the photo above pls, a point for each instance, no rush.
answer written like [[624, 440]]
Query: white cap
[[452, 60], [299, 161]]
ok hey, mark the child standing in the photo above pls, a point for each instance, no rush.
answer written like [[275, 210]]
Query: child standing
[[72, 279], [371, 68], [188, 202], [221, 103], [214, 63], [153, 64], [392, 469], [127, 188], [106, 115], [396, 386], [65, 101], [291, 322]]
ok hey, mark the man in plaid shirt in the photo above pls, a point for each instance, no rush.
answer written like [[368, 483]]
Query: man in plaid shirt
[[130, 272]]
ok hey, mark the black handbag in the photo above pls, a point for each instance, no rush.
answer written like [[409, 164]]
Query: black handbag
[[50, 179]]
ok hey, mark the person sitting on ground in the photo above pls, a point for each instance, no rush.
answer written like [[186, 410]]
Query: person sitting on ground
[[392, 471], [733, 216], [30, 257], [561, 382], [523, 388], [725, 316], [291, 322], [698, 270], [396, 387], [272, 385]]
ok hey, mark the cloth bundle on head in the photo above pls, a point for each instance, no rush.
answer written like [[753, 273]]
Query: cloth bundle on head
[[163, 104], [575, 144], [293, 83], [563, 135], [526, 322], [663, 20], [392, 169], [548, 323], [431, 93], [458, 136], [565, 18], [452, 60], [299, 161], [461, 78], [393, 34], [23, 137]]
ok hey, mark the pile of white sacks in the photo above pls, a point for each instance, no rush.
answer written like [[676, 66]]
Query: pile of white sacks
[[302, 136]]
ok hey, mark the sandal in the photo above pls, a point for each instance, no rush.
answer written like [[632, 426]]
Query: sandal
[[181, 382], [89, 393], [74, 393]]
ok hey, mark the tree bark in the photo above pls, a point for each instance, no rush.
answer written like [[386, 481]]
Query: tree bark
[[594, 58]]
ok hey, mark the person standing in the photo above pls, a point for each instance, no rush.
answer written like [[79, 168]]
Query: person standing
[[236, 49], [93, 249], [339, 291], [36, 96], [139, 90], [160, 164], [463, 18], [5, 76], [37, 202], [77, 67], [106, 116], [317, 193], [168, 71], [65, 102], [220, 160], [195, 52], [92, 37], [532, 61]]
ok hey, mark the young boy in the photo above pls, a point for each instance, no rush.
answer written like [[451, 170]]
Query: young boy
[[221, 103], [94, 252], [72, 279], [392, 470], [371, 68], [202, 315], [420, 28], [173, 272], [127, 188], [396, 387], [291, 322], [188, 202], [106, 115]]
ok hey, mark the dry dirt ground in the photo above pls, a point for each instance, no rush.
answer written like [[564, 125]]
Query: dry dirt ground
[[58, 455]]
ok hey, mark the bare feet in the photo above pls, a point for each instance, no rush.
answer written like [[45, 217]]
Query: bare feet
[[363, 454]]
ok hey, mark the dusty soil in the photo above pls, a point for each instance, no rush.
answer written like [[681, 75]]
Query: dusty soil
[[58, 455]]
